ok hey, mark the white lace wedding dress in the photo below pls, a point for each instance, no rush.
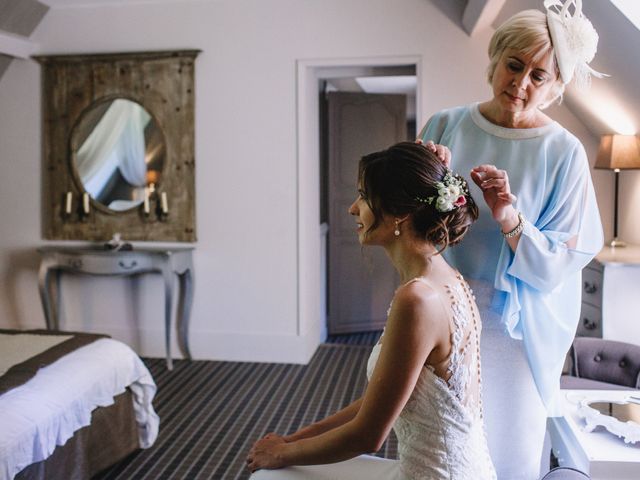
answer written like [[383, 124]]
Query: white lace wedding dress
[[440, 430]]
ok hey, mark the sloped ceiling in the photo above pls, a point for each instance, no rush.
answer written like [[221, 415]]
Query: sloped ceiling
[[5, 60], [21, 17], [18, 19], [611, 105]]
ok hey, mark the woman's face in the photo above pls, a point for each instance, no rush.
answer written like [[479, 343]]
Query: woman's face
[[521, 84], [365, 219]]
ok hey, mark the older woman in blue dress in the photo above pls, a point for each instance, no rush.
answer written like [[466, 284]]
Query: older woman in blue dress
[[529, 248]]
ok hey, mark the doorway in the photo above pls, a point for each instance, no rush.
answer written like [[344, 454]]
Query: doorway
[[316, 79], [358, 115]]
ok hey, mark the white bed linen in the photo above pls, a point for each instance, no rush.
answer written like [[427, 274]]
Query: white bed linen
[[49, 408]]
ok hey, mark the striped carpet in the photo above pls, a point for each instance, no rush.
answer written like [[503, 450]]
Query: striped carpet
[[212, 412], [365, 338]]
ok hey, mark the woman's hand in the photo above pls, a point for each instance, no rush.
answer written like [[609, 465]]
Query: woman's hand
[[496, 191], [265, 453], [442, 152]]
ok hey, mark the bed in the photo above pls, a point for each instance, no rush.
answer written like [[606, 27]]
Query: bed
[[71, 404]]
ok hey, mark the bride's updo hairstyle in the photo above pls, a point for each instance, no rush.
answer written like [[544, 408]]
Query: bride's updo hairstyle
[[405, 179]]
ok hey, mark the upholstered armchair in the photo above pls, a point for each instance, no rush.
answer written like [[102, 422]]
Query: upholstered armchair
[[599, 364]]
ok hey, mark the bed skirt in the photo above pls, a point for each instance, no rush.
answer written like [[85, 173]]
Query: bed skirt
[[111, 436]]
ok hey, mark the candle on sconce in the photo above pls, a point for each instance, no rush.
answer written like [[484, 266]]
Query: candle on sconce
[[85, 203], [146, 209], [164, 205], [67, 204]]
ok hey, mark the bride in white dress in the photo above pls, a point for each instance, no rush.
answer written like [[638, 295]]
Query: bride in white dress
[[424, 374]]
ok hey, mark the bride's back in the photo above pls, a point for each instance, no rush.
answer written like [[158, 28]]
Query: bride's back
[[440, 430]]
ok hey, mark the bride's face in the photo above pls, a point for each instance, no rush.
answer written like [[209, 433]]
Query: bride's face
[[365, 219]]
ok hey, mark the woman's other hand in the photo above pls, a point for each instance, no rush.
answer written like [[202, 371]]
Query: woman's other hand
[[442, 152], [265, 453], [496, 191]]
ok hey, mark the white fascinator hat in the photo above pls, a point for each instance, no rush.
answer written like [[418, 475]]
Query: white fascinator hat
[[574, 39]]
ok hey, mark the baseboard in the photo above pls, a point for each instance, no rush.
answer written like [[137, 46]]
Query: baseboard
[[209, 345]]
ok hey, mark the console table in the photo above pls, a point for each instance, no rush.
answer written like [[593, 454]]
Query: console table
[[86, 260], [599, 453]]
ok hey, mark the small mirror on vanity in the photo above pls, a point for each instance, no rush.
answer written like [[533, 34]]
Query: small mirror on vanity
[[620, 417], [118, 146]]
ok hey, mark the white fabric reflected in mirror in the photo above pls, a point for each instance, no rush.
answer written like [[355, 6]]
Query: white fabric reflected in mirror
[[119, 143]]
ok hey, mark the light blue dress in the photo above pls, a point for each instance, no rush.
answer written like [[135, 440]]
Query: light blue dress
[[530, 299]]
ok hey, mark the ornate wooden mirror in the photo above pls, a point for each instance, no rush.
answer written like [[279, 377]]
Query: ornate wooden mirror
[[118, 140]]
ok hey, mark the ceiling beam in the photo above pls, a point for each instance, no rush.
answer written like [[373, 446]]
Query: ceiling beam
[[480, 14], [15, 45]]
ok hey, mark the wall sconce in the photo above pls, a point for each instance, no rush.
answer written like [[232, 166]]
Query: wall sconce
[[68, 202], [152, 177], [618, 152], [153, 196], [164, 206], [84, 207]]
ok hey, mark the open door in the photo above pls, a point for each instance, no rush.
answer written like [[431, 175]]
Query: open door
[[361, 282]]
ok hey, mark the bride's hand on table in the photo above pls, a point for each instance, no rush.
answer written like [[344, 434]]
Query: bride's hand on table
[[265, 453]]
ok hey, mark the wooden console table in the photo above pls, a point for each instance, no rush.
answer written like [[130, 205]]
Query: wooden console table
[[166, 261]]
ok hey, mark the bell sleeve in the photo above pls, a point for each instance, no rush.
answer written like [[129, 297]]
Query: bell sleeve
[[543, 260], [541, 279]]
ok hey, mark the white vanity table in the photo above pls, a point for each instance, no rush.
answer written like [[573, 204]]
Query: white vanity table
[[166, 261], [599, 453]]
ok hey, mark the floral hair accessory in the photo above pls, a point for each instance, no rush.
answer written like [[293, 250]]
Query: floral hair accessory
[[452, 192], [574, 39]]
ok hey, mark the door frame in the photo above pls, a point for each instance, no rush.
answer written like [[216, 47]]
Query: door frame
[[311, 292]]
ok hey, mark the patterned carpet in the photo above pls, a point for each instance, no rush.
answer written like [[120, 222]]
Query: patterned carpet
[[212, 412], [368, 339]]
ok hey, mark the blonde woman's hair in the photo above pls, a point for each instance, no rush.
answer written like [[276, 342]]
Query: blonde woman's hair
[[526, 32]]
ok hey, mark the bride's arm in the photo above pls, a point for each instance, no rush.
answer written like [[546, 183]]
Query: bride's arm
[[416, 325], [337, 419]]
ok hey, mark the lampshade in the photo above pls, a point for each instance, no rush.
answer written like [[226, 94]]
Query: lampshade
[[619, 152]]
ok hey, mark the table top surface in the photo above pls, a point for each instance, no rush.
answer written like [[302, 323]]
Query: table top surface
[[599, 444], [101, 250]]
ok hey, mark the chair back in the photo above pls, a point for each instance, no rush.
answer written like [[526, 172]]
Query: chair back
[[606, 361]]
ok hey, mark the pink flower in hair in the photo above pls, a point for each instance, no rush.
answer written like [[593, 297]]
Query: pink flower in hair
[[460, 201]]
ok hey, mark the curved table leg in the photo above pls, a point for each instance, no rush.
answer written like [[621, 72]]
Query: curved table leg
[[184, 312], [168, 303], [44, 286]]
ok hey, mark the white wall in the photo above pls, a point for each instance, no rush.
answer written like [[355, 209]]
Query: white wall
[[246, 299]]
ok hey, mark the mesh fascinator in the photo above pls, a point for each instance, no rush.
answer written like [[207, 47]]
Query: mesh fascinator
[[574, 39]]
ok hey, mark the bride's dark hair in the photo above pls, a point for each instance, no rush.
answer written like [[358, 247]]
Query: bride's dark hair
[[397, 181]]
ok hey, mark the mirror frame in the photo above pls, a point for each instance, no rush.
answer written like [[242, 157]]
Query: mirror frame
[[163, 83]]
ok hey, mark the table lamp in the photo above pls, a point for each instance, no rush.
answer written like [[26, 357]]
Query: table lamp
[[618, 152]]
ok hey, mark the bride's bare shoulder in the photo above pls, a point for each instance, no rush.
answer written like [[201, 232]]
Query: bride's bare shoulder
[[419, 304]]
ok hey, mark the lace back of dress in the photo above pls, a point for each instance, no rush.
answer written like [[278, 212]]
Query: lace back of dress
[[463, 372]]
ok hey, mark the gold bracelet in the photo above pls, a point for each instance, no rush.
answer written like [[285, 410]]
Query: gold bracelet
[[517, 230]]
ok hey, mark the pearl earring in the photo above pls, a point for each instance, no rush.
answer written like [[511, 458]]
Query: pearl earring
[[396, 232]]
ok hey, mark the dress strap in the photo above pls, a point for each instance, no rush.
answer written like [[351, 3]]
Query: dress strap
[[415, 279]]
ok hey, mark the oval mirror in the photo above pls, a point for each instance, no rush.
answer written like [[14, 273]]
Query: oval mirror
[[118, 152]]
